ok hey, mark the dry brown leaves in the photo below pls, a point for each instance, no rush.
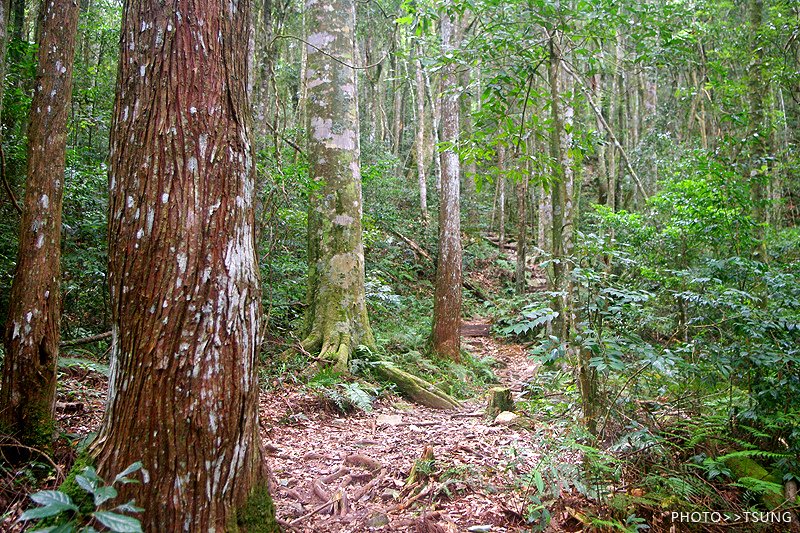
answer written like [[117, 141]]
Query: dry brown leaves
[[474, 476], [349, 474]]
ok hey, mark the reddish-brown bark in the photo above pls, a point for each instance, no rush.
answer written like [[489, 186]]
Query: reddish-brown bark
[[32, 330], [446, 338], [183, 275]]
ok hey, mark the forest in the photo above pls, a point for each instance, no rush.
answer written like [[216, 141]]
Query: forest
[[400, 265]]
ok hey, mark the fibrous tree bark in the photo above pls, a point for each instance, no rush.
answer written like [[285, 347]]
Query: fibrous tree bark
[[446, 338], [336, 321], [32, 332], [183, 275], [420, 138]]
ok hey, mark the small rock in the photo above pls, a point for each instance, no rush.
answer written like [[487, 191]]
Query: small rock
[[378, 520], [389, 420], [480, 529], [390, 494], [506, 417]]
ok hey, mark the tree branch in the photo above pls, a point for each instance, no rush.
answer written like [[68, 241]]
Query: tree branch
[[599, 114]]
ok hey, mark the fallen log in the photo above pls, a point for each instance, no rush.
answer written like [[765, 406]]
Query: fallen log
[[416, 389], [85, 340]]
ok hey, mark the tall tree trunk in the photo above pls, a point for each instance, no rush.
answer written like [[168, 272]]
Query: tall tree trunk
[[446, 337], [4, 22], [759, 178], [522, 232], [336, 320], [183, 273], [602, 149], [32, 332], [18, 20], [501, 197], [613, 156], [436, 118], [302, 92], [561, 193], [545, 226], [471, 168], [420, 140]]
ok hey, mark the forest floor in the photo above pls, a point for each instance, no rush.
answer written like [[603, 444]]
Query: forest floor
[[336, 473], [351, 474]]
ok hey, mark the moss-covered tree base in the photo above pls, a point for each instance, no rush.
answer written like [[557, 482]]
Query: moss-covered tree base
[[257, 515], [416, 389]]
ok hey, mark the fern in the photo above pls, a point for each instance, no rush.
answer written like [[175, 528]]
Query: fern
[[357, 396], [759, 486]]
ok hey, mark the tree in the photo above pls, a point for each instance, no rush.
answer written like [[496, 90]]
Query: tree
[[419, 148], [756, 89], [336, 320], [446, 338], [32, 332], [183, 276]]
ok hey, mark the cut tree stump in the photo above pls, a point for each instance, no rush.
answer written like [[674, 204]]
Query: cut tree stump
[[417, 389], [499, 400]]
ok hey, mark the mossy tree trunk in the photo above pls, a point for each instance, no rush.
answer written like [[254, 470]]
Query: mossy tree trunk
[[446, 337], [32, 331], [183, 275], [336, 320]]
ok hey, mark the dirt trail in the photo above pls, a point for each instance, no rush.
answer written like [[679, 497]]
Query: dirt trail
[[359, 465]]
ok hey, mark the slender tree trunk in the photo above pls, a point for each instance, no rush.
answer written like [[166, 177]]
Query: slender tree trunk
[[4, 21], [420, 140], [183, 273], [32, 331], [561, 193], [612, 156], [436, 114], [522, 233], [759, 179], [501, 198], [602, 168], [302, 92], [337, 315], [446, 338], [471, 168], [545, 228], [18, 19]]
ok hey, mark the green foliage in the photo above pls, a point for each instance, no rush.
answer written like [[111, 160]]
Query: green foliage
[[91, 510], [344, 396]]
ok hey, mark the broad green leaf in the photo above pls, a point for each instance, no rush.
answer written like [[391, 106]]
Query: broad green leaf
[[86, 484], [129, 507], [46, 497], [103, 494], [43, 512], [118, 523], [130, 470]]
